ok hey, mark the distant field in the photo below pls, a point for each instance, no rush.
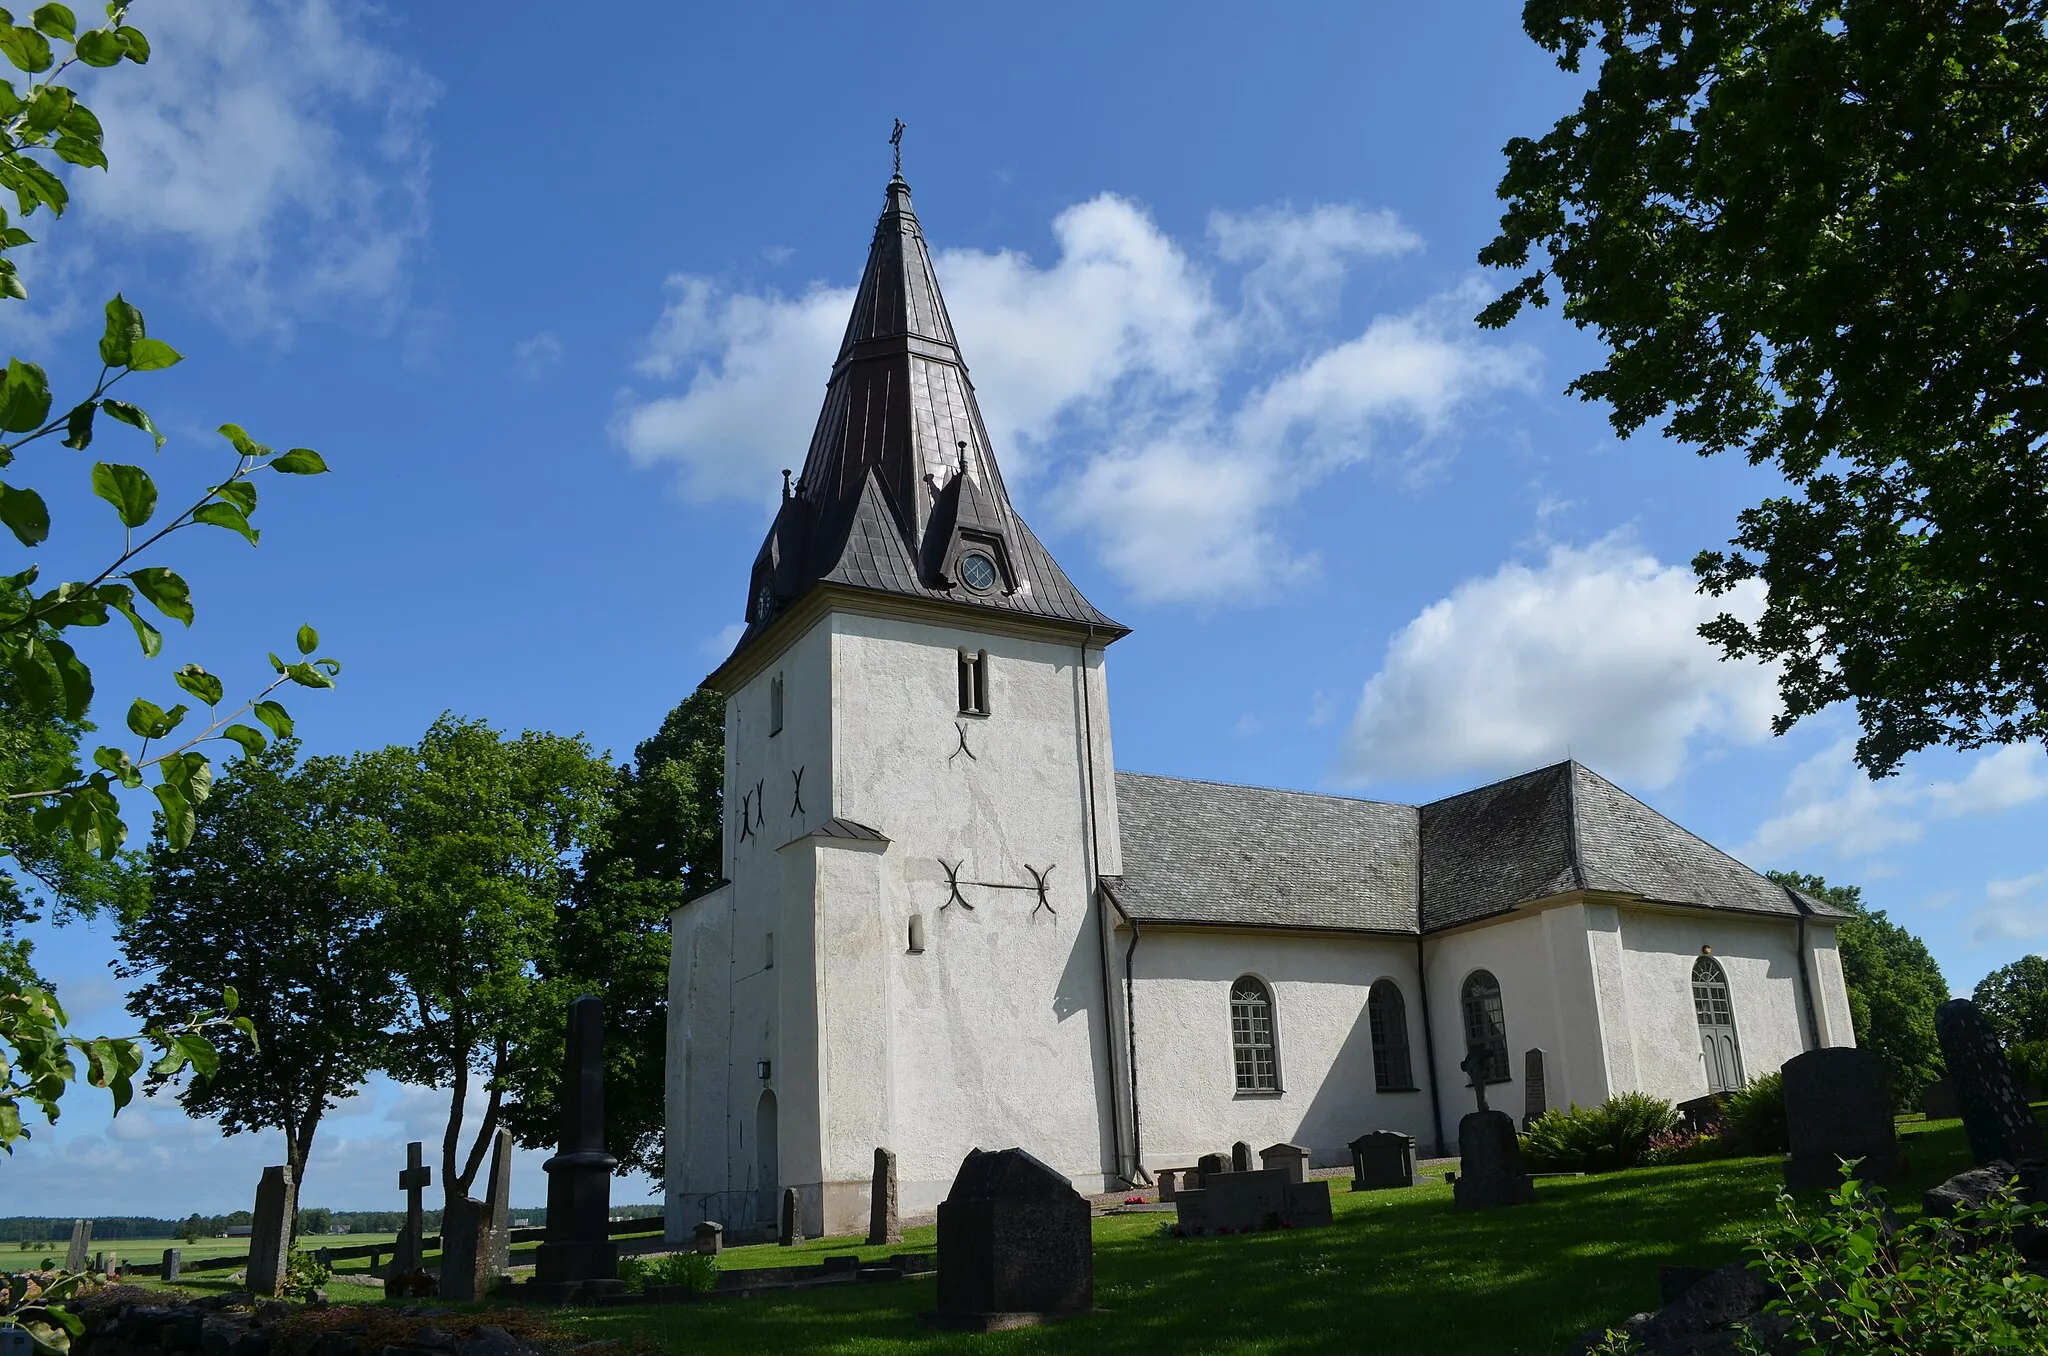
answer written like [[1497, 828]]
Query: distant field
[[151, 1250]]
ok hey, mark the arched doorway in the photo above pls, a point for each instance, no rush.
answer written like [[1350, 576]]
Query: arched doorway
[[1719, 1049], [768, 1164]]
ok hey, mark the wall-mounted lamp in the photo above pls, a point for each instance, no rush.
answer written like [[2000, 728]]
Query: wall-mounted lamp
[[1706, 950], [761, 1070]]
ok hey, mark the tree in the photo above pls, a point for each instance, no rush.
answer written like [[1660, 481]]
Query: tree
[[484, 837], [655, 847], [53, 813], [1813, 231], [2014, 999], [1894, 985], [268, 899]]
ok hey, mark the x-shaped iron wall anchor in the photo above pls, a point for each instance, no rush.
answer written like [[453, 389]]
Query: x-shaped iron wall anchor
[[1039, 885], [746, 816], [953, 895], [798, 795], [961, 726]]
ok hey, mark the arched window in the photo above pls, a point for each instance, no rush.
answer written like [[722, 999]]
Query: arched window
[[1486, 1024], [1389, 1017], [1718, 1046], [1251, 1036]]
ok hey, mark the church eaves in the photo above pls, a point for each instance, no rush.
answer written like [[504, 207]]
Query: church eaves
[[900, 484]]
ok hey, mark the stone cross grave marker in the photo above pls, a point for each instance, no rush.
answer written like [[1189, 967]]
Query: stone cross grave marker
[[270, 1236], [579, 1258], [1490, 1171], [1838, 1109], [883, 1224], [1476, 1064], [81, 1245], [1996, 1118], [792, 1231], [407, 1253], [1535, 1093], [498, 1206]]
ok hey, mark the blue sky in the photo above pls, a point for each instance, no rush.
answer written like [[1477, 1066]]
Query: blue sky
[[557, 300]]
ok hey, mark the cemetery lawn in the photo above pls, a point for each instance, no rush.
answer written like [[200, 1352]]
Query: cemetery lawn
[[1400, 1271]]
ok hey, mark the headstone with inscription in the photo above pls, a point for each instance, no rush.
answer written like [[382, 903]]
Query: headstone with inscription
[[579, 1260], [1382, 1159], [174, 1261], [80, 1251], [1996, 1118], [710, 1237], [1244, 1202], [465, 1250], [1207, 1166], [270, 1236], [1535, 1090], [1838, 1109], [1014, 1245]]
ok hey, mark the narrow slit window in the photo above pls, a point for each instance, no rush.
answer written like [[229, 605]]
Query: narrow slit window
[[974, 683], [775, 705], [768, 953], [916, 947]]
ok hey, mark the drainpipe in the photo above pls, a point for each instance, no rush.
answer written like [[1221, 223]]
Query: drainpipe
[[1131, 1035], [1436, 1108], [1137, 1175], [1805, 979]]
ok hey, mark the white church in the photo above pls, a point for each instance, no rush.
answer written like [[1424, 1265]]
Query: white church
[[949, 922]]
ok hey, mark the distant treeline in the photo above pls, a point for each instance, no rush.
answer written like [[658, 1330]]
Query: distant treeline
[[17, 1229]]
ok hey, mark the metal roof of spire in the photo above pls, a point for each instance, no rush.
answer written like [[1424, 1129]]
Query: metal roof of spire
[[900, 481]]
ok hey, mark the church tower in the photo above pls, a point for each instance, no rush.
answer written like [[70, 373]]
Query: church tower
[[909, 952]]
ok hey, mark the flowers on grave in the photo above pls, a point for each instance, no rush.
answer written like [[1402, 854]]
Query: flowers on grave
[[1134, 1200]]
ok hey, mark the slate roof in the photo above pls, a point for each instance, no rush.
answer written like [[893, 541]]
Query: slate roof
[[1199, 852], [900, 478]]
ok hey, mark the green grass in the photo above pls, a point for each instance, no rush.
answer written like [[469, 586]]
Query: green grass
[[1400, 1271]]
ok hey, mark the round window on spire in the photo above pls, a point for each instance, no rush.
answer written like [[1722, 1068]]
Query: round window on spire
[[977, 571]]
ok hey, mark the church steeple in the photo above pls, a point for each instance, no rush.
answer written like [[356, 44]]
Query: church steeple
[[900, 492]]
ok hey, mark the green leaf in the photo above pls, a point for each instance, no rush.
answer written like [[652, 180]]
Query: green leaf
[[82, 123], [201, 684], [100, 48], [243, 443], [275, 716], [74, 675], [124, 328], [307, 675], [152, 355], [309, 640], [199, 1050], [26, 48], [133, 415], [78, 426], [24, 397], [56, 21], [230, 997], [46, 108], [78, 151], [25, 514], [122, 600], [151, 721], [179, 820], [250, 738], [128, 488], [166, 592], [300, 461], [138, 46], [240, 493], [228, 516]]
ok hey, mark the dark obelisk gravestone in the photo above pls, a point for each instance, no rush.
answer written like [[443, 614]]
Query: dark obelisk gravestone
[[1535, 1091], [1490, 1171], [1997, 1119], [1837, 1108], [270, 1235], [80, 1251], [579, 1257], [883, 1224], [407, 1255], [174, 1262], [1014, 1245], [791, 1231], [498, 1206]]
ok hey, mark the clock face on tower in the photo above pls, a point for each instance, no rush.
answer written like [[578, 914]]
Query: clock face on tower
[[764, 602], [977, 571]]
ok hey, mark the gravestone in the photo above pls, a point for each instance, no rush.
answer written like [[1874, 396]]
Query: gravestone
[[1014, 1245], [1240, 1157], [1382, 1159], [1490, 1171], [1535, 1091], [1996, 1118], [1292, 1158], [407, 1254], [1167, 1186], [710, 1236], [883, 1224], [1939, 1102], [1207, 1166], [1838, 1108], [578, 1258], [498, 1208], [174, 1261], [791, 1232], [270, 1235], [1241, 1202], [465, 1250], [81, 1245]]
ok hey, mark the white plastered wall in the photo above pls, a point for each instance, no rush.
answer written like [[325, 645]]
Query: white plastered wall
[[1830, 989], [1188, 1101]]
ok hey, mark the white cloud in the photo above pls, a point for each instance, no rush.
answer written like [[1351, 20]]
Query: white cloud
[[1593, 653], [718, 647], [1112, 376], [281, 146], [533, 357], [2015, 909], [1829, 805]]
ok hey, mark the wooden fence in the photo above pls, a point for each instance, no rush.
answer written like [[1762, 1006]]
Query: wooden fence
[[618, 1228]]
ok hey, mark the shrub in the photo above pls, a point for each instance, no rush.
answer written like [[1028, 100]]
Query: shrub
[[2029, 1061], [633, 1271], [1684, 1145], [303, 1274], [695, 1269], [1615, 1134], [1756, 1117]]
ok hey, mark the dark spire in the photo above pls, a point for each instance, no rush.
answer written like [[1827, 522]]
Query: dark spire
[[900, 484]]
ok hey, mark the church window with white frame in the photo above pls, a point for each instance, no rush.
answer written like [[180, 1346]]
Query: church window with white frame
[[1720, 1051], [1486, 1024], [1251, 1036], [1388, 1017]]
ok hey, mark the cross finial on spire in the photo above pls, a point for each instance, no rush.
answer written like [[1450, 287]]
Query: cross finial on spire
[[896, 145]]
